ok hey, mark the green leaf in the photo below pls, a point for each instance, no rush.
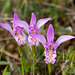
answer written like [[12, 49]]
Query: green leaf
[[5, 7], [4, 72], [27, 66], [25, 9], [8, 73], [4, 63]]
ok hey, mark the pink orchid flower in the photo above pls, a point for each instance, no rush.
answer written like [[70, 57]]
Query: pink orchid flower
[[33, 28], [50, 47], [17, 32]]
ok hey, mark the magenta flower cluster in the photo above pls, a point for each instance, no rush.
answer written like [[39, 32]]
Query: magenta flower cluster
[[34, 38]]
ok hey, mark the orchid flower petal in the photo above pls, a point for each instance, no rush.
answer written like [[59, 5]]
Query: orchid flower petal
[[33, 20], [41, 22], [30, 46], [63, 38], [50, 33], [32, 41], [39, 38], [21, 38], [7, 27], [21, 24], [15, 18]]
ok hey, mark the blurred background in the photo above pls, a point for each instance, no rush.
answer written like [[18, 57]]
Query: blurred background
[[62, 13]]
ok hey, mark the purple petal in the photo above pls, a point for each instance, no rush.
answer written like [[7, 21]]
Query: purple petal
[[32, 41], [50, 56], [50, 33], [39, 38], [15, 18], [41, 22], [63, 38], [7, 27], [21, 38], [21, 24], [33, 20], [29, 44]]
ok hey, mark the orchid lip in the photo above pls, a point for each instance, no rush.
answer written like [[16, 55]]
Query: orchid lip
[[19, 35], [32, 41], [20, 39], [50, 56], [50, 52]]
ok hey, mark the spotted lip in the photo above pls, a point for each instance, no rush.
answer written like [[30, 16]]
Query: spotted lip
[[19, 35], [50, 53], [32, 41], [50, 56]]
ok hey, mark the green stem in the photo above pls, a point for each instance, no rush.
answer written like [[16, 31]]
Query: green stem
[[45, 69], [21, 56], [0, 55], [50, 68], [33, 52]]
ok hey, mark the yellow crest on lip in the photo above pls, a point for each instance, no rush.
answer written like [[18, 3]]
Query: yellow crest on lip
[[33, 40], [50, 46], [50, 54], [32, 30], [16, 32]]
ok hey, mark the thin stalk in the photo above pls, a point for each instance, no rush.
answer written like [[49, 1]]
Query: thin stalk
[[21, 56], [45, 68], [33, 52], [0, 55], [50, 68]]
